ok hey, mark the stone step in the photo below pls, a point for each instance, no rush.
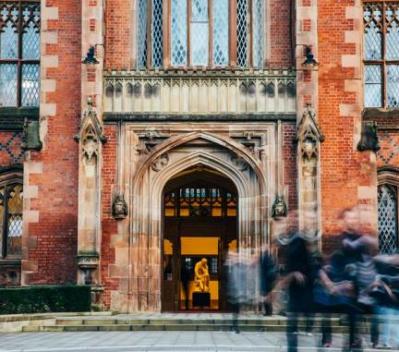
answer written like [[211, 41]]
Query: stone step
[[163, 327], [256, 322]]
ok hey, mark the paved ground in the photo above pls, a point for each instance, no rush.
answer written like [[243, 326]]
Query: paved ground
[[157, 341]]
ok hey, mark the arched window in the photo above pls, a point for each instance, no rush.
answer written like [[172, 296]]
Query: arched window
[[200, 33], [388, 218], [11, 196]]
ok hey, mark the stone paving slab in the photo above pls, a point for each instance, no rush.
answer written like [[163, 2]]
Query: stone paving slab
[[159, 341]]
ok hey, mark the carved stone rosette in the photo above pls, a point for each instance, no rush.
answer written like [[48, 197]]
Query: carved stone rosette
[[309, 137]]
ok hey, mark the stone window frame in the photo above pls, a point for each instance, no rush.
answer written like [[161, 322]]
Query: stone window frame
[[389, 176], [8, 178], [20, 60], [232, 38], [383, 62]]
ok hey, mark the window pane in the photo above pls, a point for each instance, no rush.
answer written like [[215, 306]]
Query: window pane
[[179, 32], [157, 43], [242, 32], [372, 32], [8, 42], [199, 32], [392, 17], [258, 32], [387, 219], [142, 34], [8, 85], [31, 31], [393, 86], [30, 85], [14, 223], [373, 86], [220, 32]]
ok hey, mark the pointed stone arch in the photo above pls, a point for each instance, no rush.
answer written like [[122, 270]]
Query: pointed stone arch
[[154, 170]]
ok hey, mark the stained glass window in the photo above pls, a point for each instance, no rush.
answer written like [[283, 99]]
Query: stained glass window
[[388, 219], [19, 53], [381, 54], [201, 33], [11, 206]]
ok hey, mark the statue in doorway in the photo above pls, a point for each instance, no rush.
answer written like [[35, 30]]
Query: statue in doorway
[[202, 276]]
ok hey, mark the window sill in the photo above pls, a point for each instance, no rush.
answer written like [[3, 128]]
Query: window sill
[[385, 119], [12, 119], [10, 262]]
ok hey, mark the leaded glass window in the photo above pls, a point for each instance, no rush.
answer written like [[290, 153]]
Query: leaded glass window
[[381, 54], [388, 218], [11, 205], [149, 38], [202, 33], [200, 201], [19, 53]]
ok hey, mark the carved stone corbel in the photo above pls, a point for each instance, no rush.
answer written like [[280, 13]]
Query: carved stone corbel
[[119, 207], [87, 263], [279, 208], [159, 163], [369, 137]]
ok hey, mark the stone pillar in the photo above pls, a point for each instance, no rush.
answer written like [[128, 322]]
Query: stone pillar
[[89, 223], [308, 133], [90, 143]]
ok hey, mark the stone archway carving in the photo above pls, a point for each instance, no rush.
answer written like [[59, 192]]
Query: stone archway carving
[[183, 152]]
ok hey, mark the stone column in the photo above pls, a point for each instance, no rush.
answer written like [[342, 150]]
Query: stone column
[[89, 223], [90, 142], [308, 133]]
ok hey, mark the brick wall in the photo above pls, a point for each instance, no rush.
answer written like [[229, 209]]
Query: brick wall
[[50, 210], [388, 155], [109, 224], [348, 177], [119, 36], [280, 36], [290, 167], [11, 152]]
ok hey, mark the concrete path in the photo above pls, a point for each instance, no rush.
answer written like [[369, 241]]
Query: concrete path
[[159, 341]]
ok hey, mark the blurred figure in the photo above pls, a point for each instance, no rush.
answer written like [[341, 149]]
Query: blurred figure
[[357, 266], [386, 292], [300, 271], [185, 277], [236, 292], [334, 293], [268, 275]]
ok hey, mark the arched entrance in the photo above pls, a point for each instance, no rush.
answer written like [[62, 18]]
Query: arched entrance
[[200, 211]]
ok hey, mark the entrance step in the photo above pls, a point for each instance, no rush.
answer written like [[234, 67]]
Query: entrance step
[[162, 327], [174, 322]]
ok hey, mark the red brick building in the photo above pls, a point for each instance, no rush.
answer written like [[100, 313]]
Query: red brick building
[[137, 136]]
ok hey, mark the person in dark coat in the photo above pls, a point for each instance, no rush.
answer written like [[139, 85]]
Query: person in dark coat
[[301, 270], [268, 275]]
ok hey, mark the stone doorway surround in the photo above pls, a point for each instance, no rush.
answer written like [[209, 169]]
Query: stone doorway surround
[[148, 157]]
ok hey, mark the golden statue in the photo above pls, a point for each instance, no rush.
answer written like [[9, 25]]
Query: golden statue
[[202, 276]]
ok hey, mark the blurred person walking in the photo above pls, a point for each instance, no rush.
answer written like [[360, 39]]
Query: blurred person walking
[[301, 268], [268, 273], [386, 292]]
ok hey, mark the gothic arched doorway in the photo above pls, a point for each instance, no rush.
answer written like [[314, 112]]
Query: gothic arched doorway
[[200, 210]]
